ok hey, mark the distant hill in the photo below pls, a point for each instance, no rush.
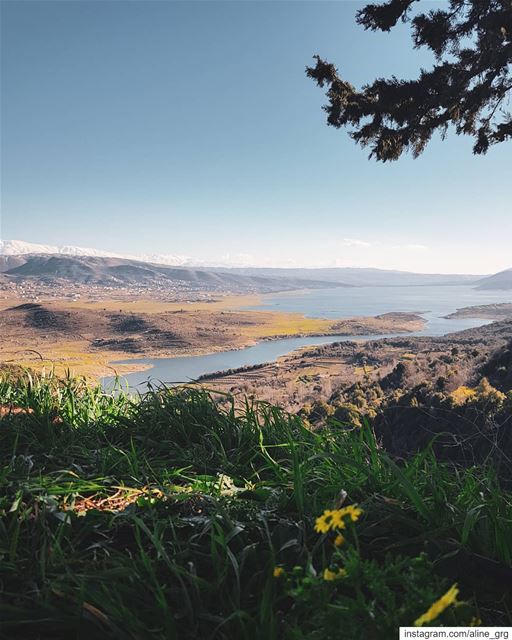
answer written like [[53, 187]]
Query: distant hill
[[90, 270], [358, 277], [9, 262], [501, 280], [362, 277]]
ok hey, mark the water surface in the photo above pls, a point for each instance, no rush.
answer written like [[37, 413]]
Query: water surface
[[436, 301], [433, 302]]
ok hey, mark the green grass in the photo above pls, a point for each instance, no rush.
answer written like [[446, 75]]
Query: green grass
[[165, 516]]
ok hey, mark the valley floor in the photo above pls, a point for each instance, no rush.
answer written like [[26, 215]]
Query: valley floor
[[87, 335]]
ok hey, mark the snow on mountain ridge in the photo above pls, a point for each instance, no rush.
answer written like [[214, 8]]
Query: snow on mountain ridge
[[20, 248], [69, 250], [170, 260]]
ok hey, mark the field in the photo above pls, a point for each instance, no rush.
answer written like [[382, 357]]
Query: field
[[167, 516], [86, 335]]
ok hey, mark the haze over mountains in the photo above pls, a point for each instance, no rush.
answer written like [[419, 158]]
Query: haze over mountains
[[21, 260], [119, 272], [361, 277]]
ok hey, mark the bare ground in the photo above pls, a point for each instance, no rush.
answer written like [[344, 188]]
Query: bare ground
[[86, 335]]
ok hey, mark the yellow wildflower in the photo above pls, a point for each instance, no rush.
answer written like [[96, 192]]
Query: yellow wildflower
[[329, 575], [334, 519], [475, 622], [278, 572], [324, 522], [334, 575], [353, 512], [449, 598], [337, 519], [339, 540]]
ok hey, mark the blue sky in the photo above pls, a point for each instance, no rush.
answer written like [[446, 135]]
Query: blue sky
[[190, 128]]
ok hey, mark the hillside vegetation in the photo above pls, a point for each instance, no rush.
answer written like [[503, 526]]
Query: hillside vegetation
[[452, 392], [167, 516]]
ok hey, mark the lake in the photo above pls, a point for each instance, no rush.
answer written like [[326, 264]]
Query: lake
[[433, 302]]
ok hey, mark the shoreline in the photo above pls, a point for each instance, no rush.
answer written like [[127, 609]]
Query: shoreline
[[198, 353], [361, 328], [496, 311], [96, 338], [87, 335]]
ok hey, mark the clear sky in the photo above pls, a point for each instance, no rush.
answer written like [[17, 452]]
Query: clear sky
[[190, 128]]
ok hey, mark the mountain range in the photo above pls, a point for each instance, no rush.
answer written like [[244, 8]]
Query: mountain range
[[363, 277], [51, 270], [21, 248], [20, 260]]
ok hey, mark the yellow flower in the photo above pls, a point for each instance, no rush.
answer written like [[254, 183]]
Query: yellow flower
[[353, 511], [475, 622], [449, 598], [334, 519], [339, 540], [334, 575], [324, 522], [337, 519], [278, 572], [329, 575]]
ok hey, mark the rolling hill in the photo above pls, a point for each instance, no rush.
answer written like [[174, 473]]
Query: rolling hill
[[501, 280], [118, 272], [10, 262]]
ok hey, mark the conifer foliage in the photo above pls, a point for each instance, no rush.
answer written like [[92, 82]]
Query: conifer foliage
[[468, 87]]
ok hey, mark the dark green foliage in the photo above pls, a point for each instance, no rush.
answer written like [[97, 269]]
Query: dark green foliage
[[499, 369], [164, 517], [468, 433], [467, 88]]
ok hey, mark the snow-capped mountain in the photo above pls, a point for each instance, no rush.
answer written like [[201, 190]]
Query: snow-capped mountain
[[21, 248], [171, 260]]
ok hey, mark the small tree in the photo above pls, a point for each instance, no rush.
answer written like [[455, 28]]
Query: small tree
[[466, 88]]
